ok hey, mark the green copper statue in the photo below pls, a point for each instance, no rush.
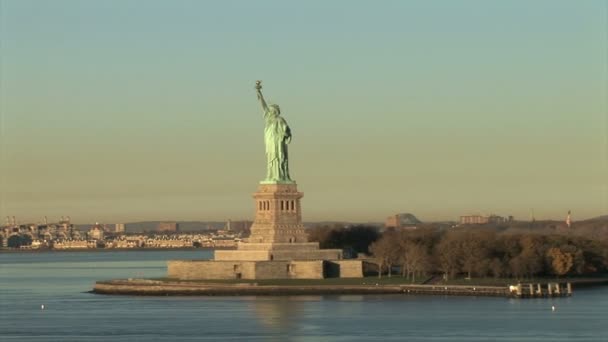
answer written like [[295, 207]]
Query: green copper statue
[[277, 136]]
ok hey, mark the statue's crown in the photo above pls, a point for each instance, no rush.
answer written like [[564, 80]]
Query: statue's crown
[[276, 107]]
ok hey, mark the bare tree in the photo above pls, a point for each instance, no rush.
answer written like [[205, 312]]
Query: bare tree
[[449, 254], [387, 250], [475, 246], [416, 259]]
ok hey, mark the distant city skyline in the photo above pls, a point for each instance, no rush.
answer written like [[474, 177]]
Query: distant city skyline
[[126, 111]]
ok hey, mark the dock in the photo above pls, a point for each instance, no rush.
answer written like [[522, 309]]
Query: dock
[[529, 290]]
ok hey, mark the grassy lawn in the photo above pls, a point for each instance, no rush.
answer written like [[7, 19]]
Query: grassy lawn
[[299, 282], [481, 281]]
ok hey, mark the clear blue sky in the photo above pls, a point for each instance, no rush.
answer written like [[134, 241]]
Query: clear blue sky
[[117, 111]]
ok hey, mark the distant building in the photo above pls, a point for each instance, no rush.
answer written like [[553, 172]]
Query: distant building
[[37, 244], [496, 219], [473, 219], [96, 232], [401, 221], [238, 226], [224, 242], [119, 228], [480, 219], [126, 243], [74, 244], [168, 227], [168, 242]]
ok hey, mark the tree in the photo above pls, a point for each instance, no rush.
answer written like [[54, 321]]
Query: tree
[[355, 239], [386, 250], [17, 241], [475, 246], [416, 259], [449, 254], [321, 234], [561, 261], [529, 262], [508, 246], [579, 262], [496, 267], [604, 256], [360, 237]]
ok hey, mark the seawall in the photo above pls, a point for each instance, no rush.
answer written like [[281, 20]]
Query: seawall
[[177, 288]]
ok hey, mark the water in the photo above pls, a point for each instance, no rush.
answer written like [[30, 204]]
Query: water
[[60, 281]]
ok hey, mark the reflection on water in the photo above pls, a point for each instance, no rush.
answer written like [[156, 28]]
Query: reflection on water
[[279, 313], [350, 298], [276, 313]]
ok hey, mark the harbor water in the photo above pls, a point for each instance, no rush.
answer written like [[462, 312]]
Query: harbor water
[[61, 280]]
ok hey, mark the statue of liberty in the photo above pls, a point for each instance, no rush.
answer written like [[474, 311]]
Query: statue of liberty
[[277, 135]]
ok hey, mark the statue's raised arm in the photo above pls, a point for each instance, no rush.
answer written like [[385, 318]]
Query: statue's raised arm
[[258, 88]]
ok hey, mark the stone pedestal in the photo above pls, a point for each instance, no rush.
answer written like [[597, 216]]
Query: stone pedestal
[[278, 217]]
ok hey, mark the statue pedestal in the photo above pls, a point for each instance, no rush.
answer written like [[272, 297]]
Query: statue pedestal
[[277, 232], [278, 216]]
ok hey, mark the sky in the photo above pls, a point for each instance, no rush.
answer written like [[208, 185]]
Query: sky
[[127, 110]]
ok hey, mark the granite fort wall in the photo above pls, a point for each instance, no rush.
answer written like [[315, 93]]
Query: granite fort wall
[[289, 269], [308, 269], [206, 269], [349, 268]]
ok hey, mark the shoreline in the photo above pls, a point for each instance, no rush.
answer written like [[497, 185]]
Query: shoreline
[[148, 287]]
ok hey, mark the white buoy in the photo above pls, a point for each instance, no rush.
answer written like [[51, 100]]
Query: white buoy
[[552, 307], [42, 307]]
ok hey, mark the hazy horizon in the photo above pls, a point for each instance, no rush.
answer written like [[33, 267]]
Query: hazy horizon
[[124, 111]]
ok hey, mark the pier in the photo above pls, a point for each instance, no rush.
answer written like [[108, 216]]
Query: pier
[[529, 290]]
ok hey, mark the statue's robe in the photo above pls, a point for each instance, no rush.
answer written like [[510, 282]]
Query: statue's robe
[[276, 136]]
